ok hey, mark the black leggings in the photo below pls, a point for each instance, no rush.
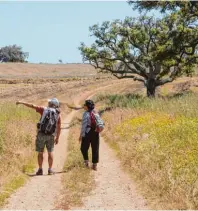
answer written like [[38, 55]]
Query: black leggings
[[91, 138]]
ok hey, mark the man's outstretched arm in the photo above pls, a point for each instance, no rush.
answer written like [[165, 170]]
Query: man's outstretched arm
[[29, 105]]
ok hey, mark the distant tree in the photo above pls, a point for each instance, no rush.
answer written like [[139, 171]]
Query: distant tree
[[13, 53], [153, 51]]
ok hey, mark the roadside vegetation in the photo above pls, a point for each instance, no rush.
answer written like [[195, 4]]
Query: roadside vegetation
[[17, 135], [156, 141]]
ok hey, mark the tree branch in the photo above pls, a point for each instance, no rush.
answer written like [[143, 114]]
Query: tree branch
[[130, 76], [114, 73], [164, 81]]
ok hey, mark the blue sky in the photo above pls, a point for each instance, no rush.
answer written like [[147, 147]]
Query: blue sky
[[50, 31]]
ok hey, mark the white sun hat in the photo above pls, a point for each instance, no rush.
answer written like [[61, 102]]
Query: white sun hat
[[54, 101]]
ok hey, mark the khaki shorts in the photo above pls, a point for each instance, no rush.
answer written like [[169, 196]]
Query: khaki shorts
[[43, 140]]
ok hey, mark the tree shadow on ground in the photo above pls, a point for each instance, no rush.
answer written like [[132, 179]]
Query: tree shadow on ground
[[101, 112], [133, 96], [176, 95]]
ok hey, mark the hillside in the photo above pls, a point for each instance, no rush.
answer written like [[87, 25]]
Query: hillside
[[23, 71]]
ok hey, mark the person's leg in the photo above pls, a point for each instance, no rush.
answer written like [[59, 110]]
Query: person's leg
[[40, 160], [50, 159], [85, 148], [95, 149], [50, 149], [40, 144]]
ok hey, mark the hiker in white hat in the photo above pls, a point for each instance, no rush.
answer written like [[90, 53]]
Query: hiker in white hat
[[49, 128]]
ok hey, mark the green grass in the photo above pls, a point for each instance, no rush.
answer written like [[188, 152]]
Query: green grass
[[17, 156], [29, 166], [9, 188], [157, 143]]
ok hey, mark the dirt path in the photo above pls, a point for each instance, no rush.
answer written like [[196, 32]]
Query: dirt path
[[114, 188]]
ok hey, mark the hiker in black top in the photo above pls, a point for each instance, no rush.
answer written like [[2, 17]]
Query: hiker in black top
[[89, 135]]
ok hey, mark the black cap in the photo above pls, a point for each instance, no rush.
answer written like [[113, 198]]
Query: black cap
[[90, 104]]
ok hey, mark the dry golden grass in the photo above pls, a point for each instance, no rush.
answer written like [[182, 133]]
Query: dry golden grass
[[38, 71], [16, 147], [156, 141]]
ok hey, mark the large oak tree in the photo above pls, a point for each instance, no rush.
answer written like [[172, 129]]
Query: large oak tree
[[153, 51]]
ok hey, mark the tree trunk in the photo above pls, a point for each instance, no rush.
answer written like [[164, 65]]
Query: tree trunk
[[151, 86]]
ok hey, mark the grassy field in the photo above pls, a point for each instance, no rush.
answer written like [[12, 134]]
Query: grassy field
[[39, 71], [156, 141], [17, 128]]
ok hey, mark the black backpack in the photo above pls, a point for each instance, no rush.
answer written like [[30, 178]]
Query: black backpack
[[48, 121]]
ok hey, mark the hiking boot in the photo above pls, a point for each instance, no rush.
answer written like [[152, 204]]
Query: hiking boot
[[39, 172], [94, 167], [50, 172], [86, 163]]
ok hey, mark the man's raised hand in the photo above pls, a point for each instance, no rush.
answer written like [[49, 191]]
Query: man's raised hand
[[18, 102]]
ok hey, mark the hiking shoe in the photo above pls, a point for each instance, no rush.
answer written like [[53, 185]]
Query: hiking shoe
[[86, 163], [94, 167], [39, 172], [50, 172]]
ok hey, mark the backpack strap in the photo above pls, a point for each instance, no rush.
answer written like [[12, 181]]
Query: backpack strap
[[93, 120], [44, 114], [45, 111]]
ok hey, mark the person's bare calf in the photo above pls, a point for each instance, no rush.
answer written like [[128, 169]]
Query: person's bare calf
[[50, 161], [40, 164]]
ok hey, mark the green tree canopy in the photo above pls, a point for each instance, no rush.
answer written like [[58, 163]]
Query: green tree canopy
[[153, 51], [190, 8]]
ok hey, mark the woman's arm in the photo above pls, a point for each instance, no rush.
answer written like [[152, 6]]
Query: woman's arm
[[84, 125], [72, 107]]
